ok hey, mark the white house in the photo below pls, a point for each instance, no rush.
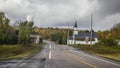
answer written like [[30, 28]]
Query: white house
[[118, 42], [81, 37], [35, 38]]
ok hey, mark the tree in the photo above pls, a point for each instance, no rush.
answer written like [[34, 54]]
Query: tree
[[110, 37], [25, 29], [7, 33], [59, 37], [100, 34]]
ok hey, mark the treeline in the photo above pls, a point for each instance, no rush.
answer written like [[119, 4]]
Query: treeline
[[110, 37], [7, 33], [11, 35], [107, 37], [54, 34], [59, 37]]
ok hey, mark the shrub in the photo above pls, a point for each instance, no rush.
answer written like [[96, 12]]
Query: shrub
[[108, 42]]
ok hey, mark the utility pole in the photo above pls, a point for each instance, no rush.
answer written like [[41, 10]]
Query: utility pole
[[91, 30], [67, 36]]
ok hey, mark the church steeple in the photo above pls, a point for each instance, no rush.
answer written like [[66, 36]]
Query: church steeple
[[75, 31], [75, 26]]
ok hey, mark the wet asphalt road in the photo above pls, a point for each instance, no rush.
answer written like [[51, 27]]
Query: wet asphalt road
[[61, 56]]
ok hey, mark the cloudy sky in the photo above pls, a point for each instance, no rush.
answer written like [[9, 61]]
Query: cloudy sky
[[47, 13]]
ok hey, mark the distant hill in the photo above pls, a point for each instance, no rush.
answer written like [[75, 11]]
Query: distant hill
[[47, 32]]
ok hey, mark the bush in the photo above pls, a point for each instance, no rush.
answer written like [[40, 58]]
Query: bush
[[99, 49], [14, 51], [108, 42], [104, 49]]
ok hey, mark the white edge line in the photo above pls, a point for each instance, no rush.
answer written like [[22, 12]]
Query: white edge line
[[99, 59]]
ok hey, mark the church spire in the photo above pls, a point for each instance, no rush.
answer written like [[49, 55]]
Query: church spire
[[75, 24]]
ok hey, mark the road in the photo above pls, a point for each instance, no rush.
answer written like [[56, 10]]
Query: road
[[61, 56]]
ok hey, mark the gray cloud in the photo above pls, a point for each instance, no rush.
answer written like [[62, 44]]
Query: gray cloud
[[110, 6], [64, 12]]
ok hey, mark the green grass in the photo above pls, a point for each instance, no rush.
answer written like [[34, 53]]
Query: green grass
[[14, 51], [112, 52]]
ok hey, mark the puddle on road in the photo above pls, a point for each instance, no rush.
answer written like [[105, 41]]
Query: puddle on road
[[8, 62], [28, 63]]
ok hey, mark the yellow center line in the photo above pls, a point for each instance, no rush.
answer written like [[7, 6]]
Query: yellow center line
[[78, 59]]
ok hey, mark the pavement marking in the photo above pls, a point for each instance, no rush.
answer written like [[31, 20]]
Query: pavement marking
[[80, 60], [98, 59], [50, 54]]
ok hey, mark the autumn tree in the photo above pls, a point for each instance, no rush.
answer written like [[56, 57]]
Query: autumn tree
[[25, 29]]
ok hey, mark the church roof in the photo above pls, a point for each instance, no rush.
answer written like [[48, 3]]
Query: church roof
[[84, 35]]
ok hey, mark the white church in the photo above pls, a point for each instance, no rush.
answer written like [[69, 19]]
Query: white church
[[81, 37]]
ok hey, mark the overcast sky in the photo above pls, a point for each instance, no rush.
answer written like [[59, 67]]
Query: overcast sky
[[64, 12]]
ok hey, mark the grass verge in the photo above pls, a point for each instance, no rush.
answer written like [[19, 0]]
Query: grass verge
[[15, 52], [111, 52]]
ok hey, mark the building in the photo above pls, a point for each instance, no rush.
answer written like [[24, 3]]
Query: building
[[82, 37], [35, 38], [118, 42]]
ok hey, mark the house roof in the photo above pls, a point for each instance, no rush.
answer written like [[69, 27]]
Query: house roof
[[84, 35]]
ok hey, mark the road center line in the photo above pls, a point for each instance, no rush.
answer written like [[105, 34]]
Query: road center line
[[50, 53], [80, 60]]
